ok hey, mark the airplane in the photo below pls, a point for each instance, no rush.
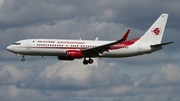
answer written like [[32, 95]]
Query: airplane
[[66, 49]]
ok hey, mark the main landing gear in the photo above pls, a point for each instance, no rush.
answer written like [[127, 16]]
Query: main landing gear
[[90, 61]]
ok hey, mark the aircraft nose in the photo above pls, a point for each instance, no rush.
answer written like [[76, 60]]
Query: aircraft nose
[[10, 48]]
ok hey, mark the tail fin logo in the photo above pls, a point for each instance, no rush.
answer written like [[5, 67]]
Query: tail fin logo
[[156, 31]]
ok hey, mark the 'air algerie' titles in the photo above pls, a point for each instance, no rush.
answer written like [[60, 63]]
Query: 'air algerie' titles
[[61, 42], [46, 41], [70, 42]]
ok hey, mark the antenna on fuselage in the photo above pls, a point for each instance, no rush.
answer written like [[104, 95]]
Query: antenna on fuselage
[[97, 39]]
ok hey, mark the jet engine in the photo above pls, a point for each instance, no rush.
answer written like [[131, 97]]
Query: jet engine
[[71, 55]]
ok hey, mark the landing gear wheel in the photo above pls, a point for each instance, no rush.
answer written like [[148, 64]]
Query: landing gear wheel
[[85, 62], [23, 59], [90, 61]]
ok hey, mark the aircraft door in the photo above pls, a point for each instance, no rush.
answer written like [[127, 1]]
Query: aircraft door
[[139, 48], [28, 44]]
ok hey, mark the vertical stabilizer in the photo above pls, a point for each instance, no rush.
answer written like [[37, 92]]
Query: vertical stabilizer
[[155, 33]]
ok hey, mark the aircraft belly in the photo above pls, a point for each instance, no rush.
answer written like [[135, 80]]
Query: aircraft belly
[[120, 53]]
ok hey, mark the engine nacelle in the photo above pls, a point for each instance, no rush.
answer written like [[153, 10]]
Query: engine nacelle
[[71, 55], [76, 54]]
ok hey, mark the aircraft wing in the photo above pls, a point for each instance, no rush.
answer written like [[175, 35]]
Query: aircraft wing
[[105, 47]]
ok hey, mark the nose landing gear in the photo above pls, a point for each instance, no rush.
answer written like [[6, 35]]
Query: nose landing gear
[[23, 59]]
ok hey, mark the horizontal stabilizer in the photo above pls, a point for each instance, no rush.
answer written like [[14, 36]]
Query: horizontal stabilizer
[[162, 44]]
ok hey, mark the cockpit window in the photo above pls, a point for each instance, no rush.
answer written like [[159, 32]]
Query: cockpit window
[[16, 43]]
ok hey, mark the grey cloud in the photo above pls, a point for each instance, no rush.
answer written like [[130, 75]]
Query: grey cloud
[[168, 75], [65, 81], [60, 78], [65, 76], [138, 13], [155, 58], [5, 75], [11, 75], [24, 13]]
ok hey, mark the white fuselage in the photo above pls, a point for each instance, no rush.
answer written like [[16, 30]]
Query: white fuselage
[[58, 47]]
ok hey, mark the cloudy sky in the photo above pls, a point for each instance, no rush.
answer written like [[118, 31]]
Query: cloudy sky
[[152, 77]]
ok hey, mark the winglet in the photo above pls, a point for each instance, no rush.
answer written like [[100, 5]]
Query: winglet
[[125, 36]]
